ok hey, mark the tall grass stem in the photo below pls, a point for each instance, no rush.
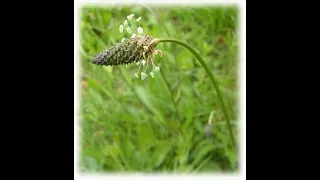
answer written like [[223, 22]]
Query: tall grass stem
[[213, 80]]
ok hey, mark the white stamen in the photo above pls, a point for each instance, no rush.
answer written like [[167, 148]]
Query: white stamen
[[140, 30], [137, 76], [125, 23], [133, 35], [157, 68], [138, 19], [143, 75], [121, 28], [130, 16], [123, 39], [152, 75], [143, 62], [129, 30]]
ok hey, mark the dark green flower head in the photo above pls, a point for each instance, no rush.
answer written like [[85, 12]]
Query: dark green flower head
[[128, 51], [139, 49]]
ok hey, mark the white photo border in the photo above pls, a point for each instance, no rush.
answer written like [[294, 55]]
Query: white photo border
[[242, 90]]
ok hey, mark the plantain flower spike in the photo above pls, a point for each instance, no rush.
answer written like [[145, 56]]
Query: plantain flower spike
[[137, 47]]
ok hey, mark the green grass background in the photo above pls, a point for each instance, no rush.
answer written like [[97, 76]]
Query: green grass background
[[157, 125]]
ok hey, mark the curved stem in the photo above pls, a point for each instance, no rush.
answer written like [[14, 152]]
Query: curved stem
[[215, 84]]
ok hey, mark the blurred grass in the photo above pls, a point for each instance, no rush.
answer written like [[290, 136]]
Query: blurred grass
[[157, 125]]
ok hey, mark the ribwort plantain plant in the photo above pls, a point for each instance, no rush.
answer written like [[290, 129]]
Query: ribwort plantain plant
[[140, 48]]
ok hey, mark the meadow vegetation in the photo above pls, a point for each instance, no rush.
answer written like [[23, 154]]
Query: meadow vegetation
[[159, 124]]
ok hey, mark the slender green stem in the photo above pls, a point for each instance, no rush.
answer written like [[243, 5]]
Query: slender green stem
[[215, 84]]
